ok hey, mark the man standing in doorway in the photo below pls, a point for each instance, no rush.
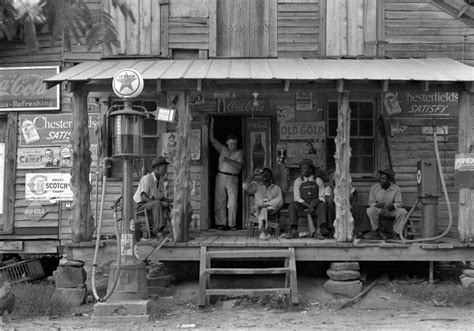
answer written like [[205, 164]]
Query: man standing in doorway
[[227, 180]]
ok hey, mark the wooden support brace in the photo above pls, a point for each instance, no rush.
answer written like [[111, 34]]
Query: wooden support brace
[[199, 85], [287, 85], [470, 87], [426, 86], [70, 87], [158, 85], [340, 86], [385, 84], [463, 10]]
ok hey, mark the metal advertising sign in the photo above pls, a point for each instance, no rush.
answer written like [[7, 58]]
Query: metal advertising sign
[[304, 100], [127, 83], [38, 157], [302, 130], [22, 88], [48, 186], [464, 170], [35, 211], [421, 104], [51, 129]]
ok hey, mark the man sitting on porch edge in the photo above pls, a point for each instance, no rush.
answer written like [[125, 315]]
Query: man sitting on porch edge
[[308, 193], [385, 198], [150, 195]]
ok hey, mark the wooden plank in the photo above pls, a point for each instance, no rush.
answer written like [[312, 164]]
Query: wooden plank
[[370, 18], [133, 30], [258, 38], [144, 22], [202, 277], [155, 26], [252, 242], [238, 254], [293, 279], [229, 241], [336, 34], [247, 271], [355, 27], [212, 27], [121, 26], [298, 7], [241, 291], [241, 242], [272, 26], [10, 173], [164, 26], [308, 23]]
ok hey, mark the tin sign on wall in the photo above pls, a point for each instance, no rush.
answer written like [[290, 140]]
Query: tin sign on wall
[[22, 89], [48, 186]]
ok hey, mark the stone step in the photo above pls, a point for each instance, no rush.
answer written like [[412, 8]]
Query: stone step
[[122, 307], [349, 288], [343, 275]]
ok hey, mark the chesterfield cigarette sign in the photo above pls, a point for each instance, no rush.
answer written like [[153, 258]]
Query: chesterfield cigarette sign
[[22, 88]]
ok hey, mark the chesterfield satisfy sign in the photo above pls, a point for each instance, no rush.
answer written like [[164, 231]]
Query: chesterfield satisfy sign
[[22, 88]]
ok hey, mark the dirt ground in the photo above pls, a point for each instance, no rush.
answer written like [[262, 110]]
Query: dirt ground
[[384, 307]]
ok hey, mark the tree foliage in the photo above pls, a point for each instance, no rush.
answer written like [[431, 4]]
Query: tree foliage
[[73, 21]]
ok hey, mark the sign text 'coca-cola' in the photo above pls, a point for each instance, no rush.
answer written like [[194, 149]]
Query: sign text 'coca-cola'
[[22, 88]]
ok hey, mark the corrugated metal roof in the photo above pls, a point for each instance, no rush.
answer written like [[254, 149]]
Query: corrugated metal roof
[[441, 69]]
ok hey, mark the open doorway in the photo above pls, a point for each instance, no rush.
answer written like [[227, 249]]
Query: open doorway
[[224, 125]]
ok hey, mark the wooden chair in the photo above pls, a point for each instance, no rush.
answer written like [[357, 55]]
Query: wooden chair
[[253, 229], [142, 225]]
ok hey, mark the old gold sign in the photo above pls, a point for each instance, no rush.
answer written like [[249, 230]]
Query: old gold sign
[[302, 130]]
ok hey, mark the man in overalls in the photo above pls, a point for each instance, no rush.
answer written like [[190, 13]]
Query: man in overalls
[[308, 193]]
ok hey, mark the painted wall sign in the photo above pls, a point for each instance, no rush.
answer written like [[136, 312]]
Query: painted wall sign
[[38, 157], [425, 104], [51, 129], [464, 170], [243, 105], [48, 186], [302, 130], [304, 100], [22, 88], [35, 211], [286, 113]]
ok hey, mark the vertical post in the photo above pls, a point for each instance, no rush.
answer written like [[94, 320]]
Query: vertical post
[[82, 224], [181, 201], [127, 199], [466, 195], [344, 223]]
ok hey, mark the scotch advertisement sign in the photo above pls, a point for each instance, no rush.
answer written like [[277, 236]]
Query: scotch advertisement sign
[[22, 89]]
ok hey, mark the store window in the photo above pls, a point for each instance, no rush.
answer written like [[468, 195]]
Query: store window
[[150, 139], [363, 159]]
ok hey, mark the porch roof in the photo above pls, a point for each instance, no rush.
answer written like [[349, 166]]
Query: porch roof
[[432, 69]]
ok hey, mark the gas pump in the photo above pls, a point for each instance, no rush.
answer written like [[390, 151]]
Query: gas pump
[[428, 183], [127, 280]]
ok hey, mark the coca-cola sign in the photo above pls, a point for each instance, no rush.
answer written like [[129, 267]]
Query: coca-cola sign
[[22, 88]]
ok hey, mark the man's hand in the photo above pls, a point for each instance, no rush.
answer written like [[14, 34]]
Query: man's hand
[[380, 205], [165, 203], [389, 206]]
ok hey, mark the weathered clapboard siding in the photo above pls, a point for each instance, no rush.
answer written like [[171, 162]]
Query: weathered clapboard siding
[[420, 29], [188, 33], [148, 36], [298, 28], [16, 53], [352, 27]]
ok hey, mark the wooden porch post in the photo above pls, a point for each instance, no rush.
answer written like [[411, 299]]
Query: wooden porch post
[[344, 223], [466, 195], [179, 220], [82, 223]]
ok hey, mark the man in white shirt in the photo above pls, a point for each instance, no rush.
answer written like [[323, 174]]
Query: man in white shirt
[[308, 193], [150, 195], [267, 198], [227, 180]]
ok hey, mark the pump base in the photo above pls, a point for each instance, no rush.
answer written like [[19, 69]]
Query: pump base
[[132, 282]]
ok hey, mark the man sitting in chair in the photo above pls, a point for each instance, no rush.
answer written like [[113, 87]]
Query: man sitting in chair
[[150, 195], [268, 198], [385, 198], [308, 193]]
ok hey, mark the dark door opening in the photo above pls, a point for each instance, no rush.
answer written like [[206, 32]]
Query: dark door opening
[[223, 125]]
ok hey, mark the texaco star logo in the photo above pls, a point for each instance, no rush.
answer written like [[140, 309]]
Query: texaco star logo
[[127, 83]]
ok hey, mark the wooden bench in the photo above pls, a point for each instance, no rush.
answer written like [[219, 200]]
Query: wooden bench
[[206, 270]]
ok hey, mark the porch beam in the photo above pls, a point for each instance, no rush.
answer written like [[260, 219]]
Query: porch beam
[[158, 85], [425, 86], [199, 85], [340, 86], [466, 195], [82, 223], [385, 85], [344, 223], [287, 85], [181, 198]]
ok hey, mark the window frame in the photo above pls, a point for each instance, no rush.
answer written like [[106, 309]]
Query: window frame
[[375, 102]]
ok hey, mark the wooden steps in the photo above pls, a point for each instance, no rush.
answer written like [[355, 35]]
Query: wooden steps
[[288, 269]]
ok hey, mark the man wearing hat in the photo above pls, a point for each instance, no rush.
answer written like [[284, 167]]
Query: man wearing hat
[[268, 198], [385, 198], [308, 193], [150, 195]]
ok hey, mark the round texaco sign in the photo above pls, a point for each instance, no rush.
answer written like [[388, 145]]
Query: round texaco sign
[[127, 83]]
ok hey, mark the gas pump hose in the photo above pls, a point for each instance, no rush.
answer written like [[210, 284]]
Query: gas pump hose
[[446, 197], [97, 243]]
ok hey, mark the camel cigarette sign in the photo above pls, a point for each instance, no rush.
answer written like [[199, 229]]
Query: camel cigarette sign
[[48, 186], [22, 88]]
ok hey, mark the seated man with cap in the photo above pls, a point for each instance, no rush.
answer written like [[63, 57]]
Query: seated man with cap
[[308, 193], [385, 198], [150, 195], [268, 198]]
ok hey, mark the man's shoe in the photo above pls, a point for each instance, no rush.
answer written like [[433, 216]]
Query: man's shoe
[[372, 235], [263, 236], [383, 235], [221, 227], [318, 236], [234, 228]]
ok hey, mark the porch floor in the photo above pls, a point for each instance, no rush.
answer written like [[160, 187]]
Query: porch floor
[[308, 249]]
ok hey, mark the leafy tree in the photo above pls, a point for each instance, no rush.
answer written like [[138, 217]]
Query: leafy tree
[[70, 20]]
